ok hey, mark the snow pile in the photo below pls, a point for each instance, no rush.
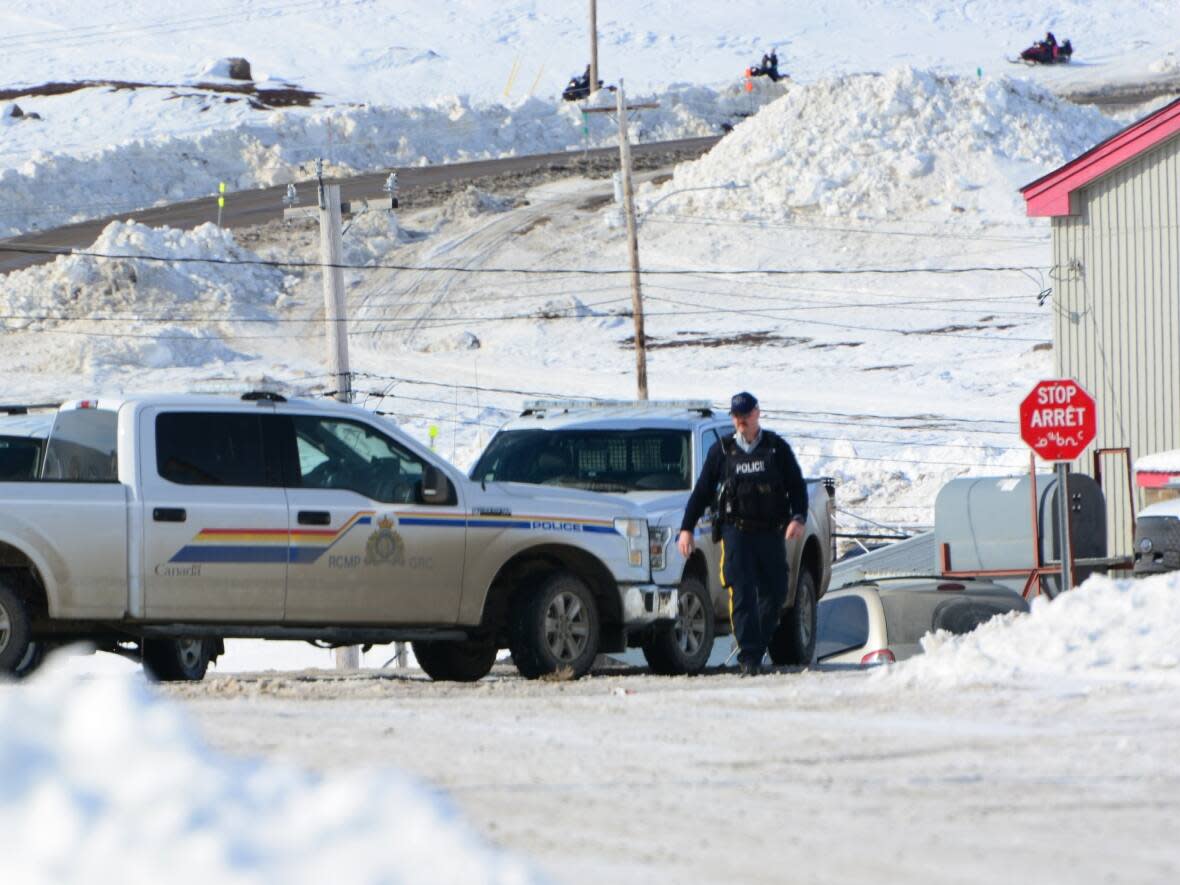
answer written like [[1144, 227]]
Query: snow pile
[[103, 783], [1104, 630], [878, 146], [1160, 462], [83, 286], [250, 149], [472, 202], [145, 314]]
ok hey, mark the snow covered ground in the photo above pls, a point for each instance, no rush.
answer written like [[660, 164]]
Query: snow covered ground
[[401, 86], [855, 253], [1039, 749]]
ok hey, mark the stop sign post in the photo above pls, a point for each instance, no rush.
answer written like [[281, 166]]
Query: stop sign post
[[1058, 419]]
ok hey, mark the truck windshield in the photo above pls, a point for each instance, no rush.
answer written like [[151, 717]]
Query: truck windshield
[[597, 460]]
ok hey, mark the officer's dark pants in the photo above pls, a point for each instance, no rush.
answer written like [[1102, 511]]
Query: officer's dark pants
[[754, 570]]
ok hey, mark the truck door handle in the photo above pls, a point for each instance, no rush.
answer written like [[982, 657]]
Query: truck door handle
[[169, 514], [314, 517]]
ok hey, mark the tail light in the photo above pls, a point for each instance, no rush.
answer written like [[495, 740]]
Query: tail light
[[951, 586], [880, 656]]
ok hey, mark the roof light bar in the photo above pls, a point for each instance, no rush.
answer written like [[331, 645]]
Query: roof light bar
[[566, 405]]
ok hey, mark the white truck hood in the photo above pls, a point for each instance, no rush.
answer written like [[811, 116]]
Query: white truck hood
[[539, 499]]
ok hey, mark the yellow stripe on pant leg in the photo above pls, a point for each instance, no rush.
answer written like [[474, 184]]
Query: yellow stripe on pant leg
[[728, 589]]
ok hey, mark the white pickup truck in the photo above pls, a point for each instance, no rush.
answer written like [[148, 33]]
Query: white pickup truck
[[159, 526], [651, 453]]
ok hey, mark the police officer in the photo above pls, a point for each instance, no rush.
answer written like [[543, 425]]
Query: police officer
[[763, 499]]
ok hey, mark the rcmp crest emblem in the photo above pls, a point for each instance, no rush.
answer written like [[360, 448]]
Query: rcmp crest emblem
[[385, 546]]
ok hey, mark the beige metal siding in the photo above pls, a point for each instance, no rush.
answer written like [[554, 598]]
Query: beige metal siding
[[1117, 304]]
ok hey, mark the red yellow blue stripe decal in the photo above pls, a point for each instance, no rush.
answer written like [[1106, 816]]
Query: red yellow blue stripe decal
[[306, 546]]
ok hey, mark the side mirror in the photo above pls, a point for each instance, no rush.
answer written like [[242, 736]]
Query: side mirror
[[435, 487]]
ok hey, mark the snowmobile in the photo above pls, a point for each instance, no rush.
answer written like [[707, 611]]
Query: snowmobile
[[1046, 52], [578, 87], [768, 67]]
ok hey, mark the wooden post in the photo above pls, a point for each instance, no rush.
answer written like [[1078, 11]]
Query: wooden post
[[632, 243], [593, 46]]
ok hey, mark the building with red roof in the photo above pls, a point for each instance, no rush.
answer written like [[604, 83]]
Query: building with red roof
[[1115, 215]]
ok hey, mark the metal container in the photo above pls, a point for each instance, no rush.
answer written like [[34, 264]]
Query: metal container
[[987, 524]]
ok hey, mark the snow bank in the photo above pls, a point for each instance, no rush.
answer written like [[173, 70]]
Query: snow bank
[[878, 146], [80, 286], [1160, 462], [130, 313], [48, 189], [1103, 631], [103, 782]]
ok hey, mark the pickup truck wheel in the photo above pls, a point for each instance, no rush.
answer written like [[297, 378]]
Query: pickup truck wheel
[[793, 642], [34, 658], [466, 661], [555, 628], [15, 631], [177, 660], [683, 646]]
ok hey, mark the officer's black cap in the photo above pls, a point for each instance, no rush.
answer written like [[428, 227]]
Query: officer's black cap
[[743, 403]]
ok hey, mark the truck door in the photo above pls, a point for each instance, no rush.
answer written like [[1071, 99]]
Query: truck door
[[365, 548], [215, 516]]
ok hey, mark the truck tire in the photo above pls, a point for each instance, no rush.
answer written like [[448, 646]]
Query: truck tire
[[793, 643], [34, 658], [682, 647], [466, 661], [555, 628], [15, 631], [177, 660]]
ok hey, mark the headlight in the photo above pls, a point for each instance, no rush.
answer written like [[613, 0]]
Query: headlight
[[635, 531], [657, 542]]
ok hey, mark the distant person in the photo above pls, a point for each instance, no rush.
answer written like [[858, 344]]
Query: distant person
[[772, 66], [763, 500]]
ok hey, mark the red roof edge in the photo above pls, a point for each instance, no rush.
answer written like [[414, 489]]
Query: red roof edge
[[1049, 195]]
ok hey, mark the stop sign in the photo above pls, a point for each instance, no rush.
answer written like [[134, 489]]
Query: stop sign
[[1058, 419]]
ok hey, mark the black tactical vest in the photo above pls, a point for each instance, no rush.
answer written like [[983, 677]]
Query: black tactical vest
[[754, 494]]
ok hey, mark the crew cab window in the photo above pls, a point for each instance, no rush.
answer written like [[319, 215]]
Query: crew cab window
[[83, 447], [19, 457], [345, 455], [598, 460], [214, 449], [842, 624]]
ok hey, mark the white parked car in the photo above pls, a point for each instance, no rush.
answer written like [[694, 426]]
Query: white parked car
[[882, 620]]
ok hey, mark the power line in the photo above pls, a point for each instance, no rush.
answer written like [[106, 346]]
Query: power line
[[532, 271]]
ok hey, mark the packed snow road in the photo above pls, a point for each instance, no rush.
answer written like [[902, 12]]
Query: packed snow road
[[819, 776]]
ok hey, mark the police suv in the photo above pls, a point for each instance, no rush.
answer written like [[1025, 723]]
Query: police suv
[[651, 453], [158, 526]]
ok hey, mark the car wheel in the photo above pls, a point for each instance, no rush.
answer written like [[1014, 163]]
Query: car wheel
[[34, 658], [465, 661], [15, 631], [177, 660], [683, 646], [793, 643], [555, 628]]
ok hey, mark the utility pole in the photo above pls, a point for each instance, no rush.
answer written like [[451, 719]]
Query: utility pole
[[621, 108], [632, 243], [331, 257], [593, 46]]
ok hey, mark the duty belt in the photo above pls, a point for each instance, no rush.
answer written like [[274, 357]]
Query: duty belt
[[754, 525]]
